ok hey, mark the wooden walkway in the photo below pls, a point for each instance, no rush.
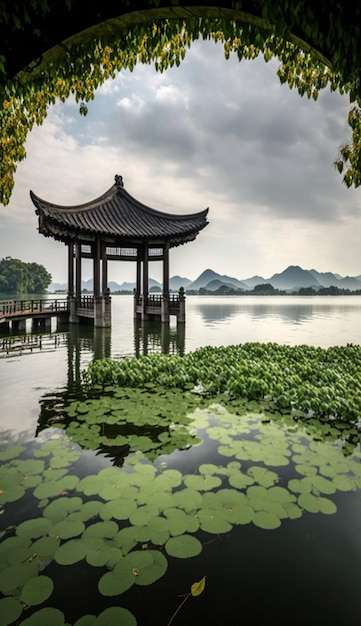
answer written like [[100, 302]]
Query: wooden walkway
[[14, 314], [15, 311]]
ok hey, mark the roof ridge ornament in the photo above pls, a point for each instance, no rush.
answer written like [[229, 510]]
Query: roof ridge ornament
[[119, 180]]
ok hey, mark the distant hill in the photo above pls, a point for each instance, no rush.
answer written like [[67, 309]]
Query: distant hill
[[291, 279], [176, 282], [349, 282], [326, 279], [254, 280], [208, 276]]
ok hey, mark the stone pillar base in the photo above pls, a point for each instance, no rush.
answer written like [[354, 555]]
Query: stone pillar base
[[165, 310], [73, 319], [102, 311], [181, 317]]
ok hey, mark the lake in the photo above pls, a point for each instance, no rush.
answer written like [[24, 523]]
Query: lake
[[303, 569]]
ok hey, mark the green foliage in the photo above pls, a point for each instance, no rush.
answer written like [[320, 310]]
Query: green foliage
[[19, 277], [326, 54], [349, 158], [307, 379], [128, 523]]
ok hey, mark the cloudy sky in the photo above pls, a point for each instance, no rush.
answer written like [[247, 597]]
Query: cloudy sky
[[212, 133]]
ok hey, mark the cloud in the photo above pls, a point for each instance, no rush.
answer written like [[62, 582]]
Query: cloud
[[212, 133]]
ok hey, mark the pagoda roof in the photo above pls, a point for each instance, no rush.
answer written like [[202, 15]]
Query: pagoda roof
[[117, 218]]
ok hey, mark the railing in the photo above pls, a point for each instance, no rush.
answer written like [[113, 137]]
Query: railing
[[155, 300], [85, 302], [10, 308]]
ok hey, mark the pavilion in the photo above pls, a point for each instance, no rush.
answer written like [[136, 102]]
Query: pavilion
[[116, 226]]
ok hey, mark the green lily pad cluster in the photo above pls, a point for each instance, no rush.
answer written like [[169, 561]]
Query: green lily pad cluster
[[311, 380], [130, 420], [131, 520]]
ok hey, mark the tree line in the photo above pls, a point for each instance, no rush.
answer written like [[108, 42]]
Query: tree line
[[19, 277], [266, 289]]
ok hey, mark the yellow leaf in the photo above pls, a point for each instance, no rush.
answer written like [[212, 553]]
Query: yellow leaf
[[197, 588]]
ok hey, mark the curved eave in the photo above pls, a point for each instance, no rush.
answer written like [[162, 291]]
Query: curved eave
[[117, 218]]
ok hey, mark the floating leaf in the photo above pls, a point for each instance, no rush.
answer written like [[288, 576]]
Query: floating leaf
[[116, 615], [107, 529], [214, 521], [16, 576], [309, 502], [323, 485], [118, 509], [306, 469], [344, 483], [262, 476], [34, 528], [45, 617], [239, 480], [65, 529], [183, 546], [10, 611], [112, 585], [14, 550], [10, 491], [151, 572], [265, 520], [45, 549], [240, 514], [70, 552], [37, 590], [11, 453], [52, 488], [139, 567], [198, 587]]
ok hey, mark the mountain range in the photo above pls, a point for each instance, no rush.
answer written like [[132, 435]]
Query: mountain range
[[291, 279]]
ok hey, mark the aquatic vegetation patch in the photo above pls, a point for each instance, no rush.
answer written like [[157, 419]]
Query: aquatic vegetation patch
[[304, 379], [263, 469]]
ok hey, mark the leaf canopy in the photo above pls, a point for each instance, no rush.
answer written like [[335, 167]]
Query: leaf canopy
[[51, 51]]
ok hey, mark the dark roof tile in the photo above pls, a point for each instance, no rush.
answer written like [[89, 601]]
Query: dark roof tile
[[117, 215]]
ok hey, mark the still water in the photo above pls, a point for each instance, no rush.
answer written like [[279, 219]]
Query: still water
[[307, 571]]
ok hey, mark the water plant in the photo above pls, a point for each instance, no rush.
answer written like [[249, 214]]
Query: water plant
[[261, 453], [127, 523], [196, 589], [309, 380]]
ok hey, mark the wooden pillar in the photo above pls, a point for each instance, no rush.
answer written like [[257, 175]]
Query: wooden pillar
[[96, 267], [165, 298], [70, 269], [139, 272], [104, 268], [166, 268], [73, 319], [145, 271], [145, 282], [138, 287], [78, 270]]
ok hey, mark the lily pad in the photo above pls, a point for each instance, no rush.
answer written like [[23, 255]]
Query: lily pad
[[37, 590], [70, 552], [10, 610], [116, 615], [183, 546], [15, 576], [265, 520], [66, 529], [34, 528], [45, 617]]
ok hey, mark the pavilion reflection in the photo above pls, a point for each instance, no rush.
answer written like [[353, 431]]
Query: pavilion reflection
[[88, 343], [151, 338]]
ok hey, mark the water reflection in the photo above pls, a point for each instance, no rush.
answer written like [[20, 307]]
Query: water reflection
[[294, 312], [155, 337]]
